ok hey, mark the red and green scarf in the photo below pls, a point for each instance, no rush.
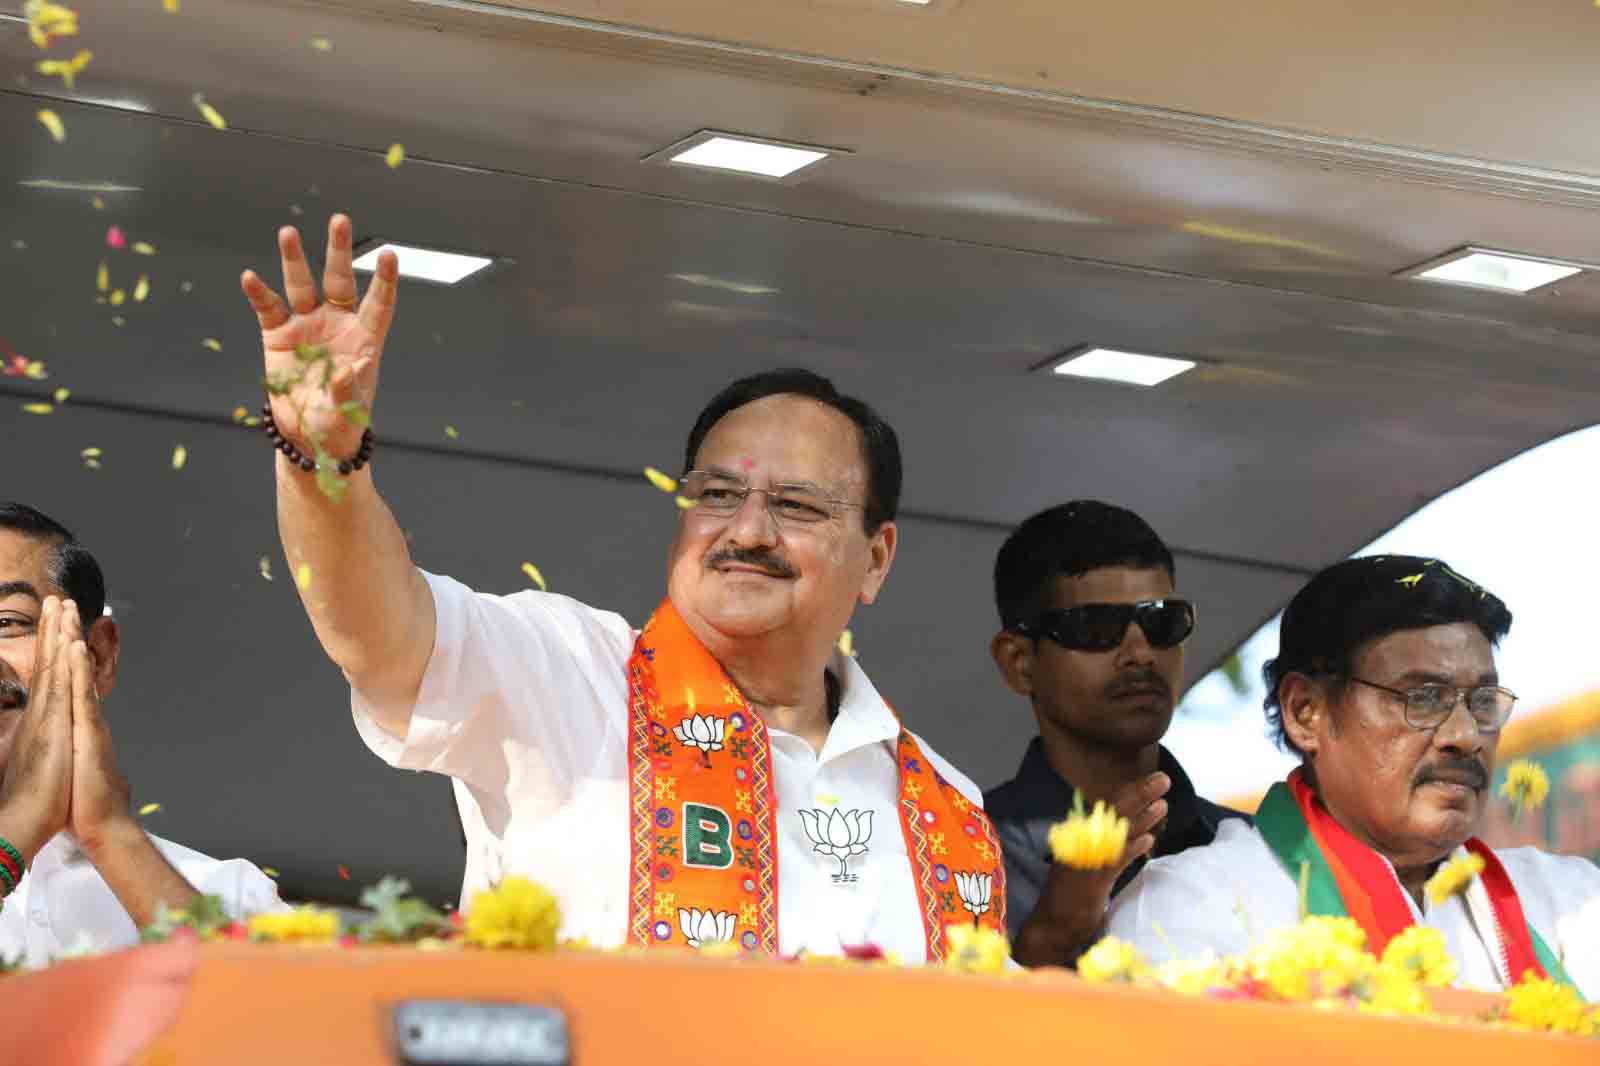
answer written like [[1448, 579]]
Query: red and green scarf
[[1344, 878]]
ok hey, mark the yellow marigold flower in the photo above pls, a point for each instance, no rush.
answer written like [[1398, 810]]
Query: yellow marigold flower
[[1193, 977], [1420, 954], [1526, 786], [1395, 991], [1542, 1004], [516, 913], [1319, 957], [976, 950], [302, 925], [1111, 960], [1453, 878], [1090, 841]]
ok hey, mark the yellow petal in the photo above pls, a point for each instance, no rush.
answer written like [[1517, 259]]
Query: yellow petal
[[37, 408], [117, 297], [302, 576], [211, 114], [90, 453], [450, 431], [62, 394], [149, 808], [102, 277], [534, 576], [52, 122], [212, 343], [660, 480], [847, 643], [180, 455], [240, 414], [141, 290], [684, 503], [269, 871], [322, 44], [35, 371], [396, 156], [118, 320], [144, 248], [265, 566], [170, 6], [68, 69]]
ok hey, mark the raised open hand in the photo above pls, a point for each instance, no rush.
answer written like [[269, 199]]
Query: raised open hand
[[322, 353]]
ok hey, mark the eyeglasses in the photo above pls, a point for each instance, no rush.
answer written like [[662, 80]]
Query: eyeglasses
[[722, 495], [1101, 626], [1430, 706]]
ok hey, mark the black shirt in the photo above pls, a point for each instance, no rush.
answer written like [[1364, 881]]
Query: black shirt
[[1024, 808]]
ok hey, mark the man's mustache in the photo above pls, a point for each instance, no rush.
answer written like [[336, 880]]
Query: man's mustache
[[764, 561], [1454, 770], [1134, 680]]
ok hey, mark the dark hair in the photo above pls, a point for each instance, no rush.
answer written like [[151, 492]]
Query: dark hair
[[880, 448], [1360, 600], [70, 568], [1065, 541]]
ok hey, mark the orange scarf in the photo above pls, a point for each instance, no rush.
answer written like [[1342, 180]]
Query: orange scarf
[[703, 813]]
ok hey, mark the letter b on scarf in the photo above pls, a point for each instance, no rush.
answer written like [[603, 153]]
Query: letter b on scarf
[[707, 837]]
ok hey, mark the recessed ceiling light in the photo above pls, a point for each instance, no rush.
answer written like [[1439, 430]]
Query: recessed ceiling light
[[425, 264], [1130, 368], [77, 186], [757, 156], [1485, 268]]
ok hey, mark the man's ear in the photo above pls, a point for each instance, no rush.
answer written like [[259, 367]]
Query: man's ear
[[105, 646], [1013, 654], [1305, 710], [880, 557]]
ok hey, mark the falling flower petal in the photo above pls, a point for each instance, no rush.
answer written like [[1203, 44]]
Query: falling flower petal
[[534, 576], [142, 289], [117, 297], [269, 871], [187, 286], [149, 808], [344, 874], [240, 414], [47, 21], [212, 115], [660, 480], [98, 204], [170, 6], [212, 343], [450, 431], [144, 248], [52, 122], [90, 453], [115, 238], [118, 320], [102, 277], [322, 44], [684, 503], [302, 576], [35, 371], [847, 643], [37, 408], [68, 69], [396, 156], [61, 395], [265, 566], [180, 455], [296, 210]]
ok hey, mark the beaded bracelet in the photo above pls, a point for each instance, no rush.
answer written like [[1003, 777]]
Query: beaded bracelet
[[11, 866], [306, 463]]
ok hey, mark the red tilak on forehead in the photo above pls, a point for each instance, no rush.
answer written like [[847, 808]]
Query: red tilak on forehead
[[747, 463]]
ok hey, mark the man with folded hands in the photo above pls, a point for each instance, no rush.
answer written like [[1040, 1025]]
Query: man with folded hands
[[1385, 685]]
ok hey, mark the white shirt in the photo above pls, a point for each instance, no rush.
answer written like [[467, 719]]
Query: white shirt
[[525, 705], [63, 905], [1229, 894]]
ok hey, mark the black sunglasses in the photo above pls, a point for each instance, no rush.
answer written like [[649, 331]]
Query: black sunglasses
[[1101, 626]]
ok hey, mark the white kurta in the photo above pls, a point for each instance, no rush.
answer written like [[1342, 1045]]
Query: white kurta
[[63, 904], [1226, 896], [525, 705]]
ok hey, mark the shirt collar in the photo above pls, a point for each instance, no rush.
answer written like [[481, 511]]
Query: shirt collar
[[864, 718]]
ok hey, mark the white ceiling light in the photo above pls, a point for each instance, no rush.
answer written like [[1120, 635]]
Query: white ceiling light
[[756, 156], [1130, 368], [1485, 268], [77, 186], [425, 264]]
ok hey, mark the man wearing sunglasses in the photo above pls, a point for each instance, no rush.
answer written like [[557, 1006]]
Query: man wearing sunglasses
[[1385, 686], [1092, 634]]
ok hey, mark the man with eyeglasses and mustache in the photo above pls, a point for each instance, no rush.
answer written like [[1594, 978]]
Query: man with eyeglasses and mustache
[[1092, 634], [724, 775], [1385, 686], [75, 864]]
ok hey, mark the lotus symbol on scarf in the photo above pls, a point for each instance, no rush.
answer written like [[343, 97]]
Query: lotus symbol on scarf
[[703, 731], [839, 835], [705, 927], [976, 891]]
